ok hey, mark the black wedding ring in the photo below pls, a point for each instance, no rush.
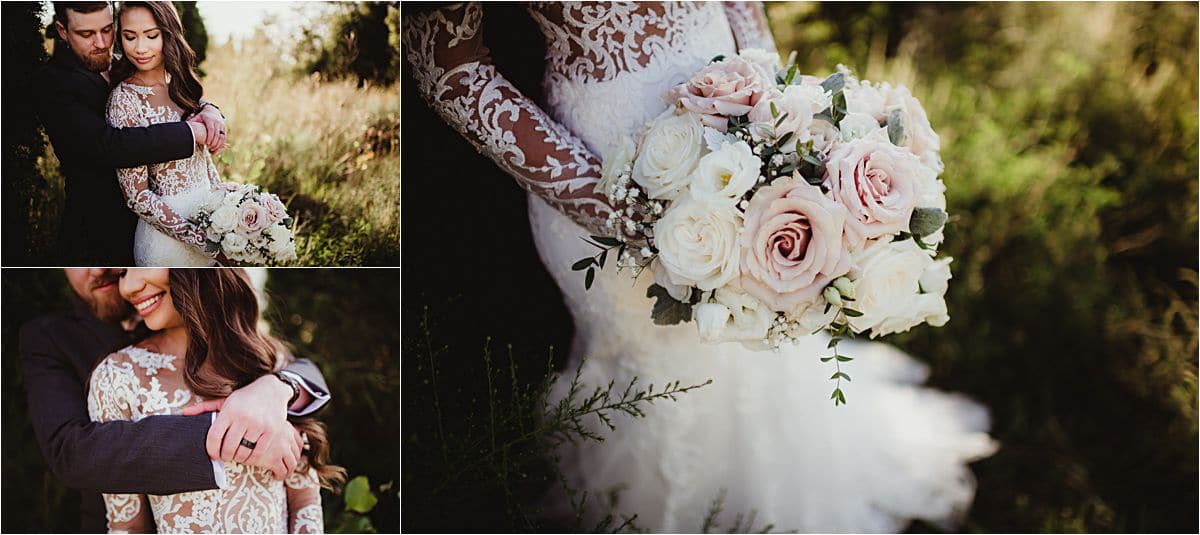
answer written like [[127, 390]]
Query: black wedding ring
[[248, 444]]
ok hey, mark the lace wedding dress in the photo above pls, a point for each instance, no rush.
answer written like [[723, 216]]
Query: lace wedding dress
[[134, 383], [764, 435], [163, 195]]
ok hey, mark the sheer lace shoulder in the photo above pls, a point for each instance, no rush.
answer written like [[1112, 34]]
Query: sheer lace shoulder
[[454, 74], [304, 500]]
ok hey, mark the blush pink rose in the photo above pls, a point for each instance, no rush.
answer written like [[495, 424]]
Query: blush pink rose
[[792, 244], [276, 211], [252, 219], [878, 183], [722, 90]]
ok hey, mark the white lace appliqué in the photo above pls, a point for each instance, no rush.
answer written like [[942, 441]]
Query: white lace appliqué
[[132, 384]]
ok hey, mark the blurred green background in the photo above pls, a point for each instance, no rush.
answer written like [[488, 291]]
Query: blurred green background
[[343, 320], [1069, 134]]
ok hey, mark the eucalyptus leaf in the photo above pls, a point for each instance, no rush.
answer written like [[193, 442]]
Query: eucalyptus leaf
[[826, 359], [774, 110], [611, 242], [926, 221], [843, 358], [667, 310], [834, 83], [825, 115], [716, 58], [589, 279], [582, 264], [851, 312], [791, 75], [895, 128]]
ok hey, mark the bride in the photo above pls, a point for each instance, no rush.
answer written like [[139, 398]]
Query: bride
[[155, 82], [764, 434], [206, 343]]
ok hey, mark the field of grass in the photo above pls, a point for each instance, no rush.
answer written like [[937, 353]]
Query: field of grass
[[329, 149]]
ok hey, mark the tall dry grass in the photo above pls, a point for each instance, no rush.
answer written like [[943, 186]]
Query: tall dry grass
[[330, 150]]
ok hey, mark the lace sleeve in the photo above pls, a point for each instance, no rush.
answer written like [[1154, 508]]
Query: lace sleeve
[[304, 501], [749, 23], [112, 387], [454, 74], [124, 110]]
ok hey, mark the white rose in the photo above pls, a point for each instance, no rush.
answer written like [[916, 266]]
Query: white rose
[[615, 162], [749, 318], [824, 136], [862, 97], [888, 288], [857, 125], [698, 243], [816, 317], [722, 177], [224, 218], [711, 319], [919, 136], [234, 243], [278, 233], [668, 154]]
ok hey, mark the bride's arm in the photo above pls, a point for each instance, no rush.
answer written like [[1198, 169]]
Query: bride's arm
[[124, 111], [111, 383], [749, 23], [304, 500], [454, 74]]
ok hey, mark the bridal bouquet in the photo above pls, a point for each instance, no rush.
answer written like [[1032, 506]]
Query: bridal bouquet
[[248, 225], [770, 205]]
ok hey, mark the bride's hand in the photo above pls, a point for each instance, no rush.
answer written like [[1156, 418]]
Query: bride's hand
[[258, 414]]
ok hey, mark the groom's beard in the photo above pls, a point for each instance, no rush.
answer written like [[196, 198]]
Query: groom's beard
[[97, 61], [109, 305]]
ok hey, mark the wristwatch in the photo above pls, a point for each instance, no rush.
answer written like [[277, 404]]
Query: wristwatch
[[292, 383]]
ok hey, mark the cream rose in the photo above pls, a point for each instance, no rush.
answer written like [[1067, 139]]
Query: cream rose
[[224, 219], [711, 319], [878, 184], [697, 243], [799, 103], [721, 90], [669, 152], [890, 279], [749, 318], [857, 125], [792, 244], [723, 176], [680, 292]]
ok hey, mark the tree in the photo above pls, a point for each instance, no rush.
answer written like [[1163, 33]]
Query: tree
[[24, 52], [359, 45], [194, 31]]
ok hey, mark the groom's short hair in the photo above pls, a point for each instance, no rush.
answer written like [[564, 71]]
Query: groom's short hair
[[61, 8]]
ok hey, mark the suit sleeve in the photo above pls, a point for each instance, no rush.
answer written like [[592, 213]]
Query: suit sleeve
[[69, 121], [156, 455]]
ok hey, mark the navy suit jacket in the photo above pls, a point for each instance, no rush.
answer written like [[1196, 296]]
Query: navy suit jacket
[[156, 455], [97, 227]]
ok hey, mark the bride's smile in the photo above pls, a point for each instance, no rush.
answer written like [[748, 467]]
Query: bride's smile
[[148, 290]]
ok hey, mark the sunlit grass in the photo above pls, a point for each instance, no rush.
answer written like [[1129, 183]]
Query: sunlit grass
[[329, 149]]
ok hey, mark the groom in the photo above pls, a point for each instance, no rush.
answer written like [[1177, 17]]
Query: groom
[[72, 97], [157, 454]]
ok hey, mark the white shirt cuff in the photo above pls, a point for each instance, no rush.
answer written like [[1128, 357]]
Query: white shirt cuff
[[218, 465], [319, 398]]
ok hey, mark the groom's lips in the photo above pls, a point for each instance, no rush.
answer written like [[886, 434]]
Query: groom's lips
[[147, 305]]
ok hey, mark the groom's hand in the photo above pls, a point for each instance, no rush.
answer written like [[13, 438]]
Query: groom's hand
[[257, 413], [214, 125]]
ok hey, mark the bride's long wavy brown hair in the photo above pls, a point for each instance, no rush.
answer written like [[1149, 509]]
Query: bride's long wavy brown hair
[[220, 311], [179, 60]]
